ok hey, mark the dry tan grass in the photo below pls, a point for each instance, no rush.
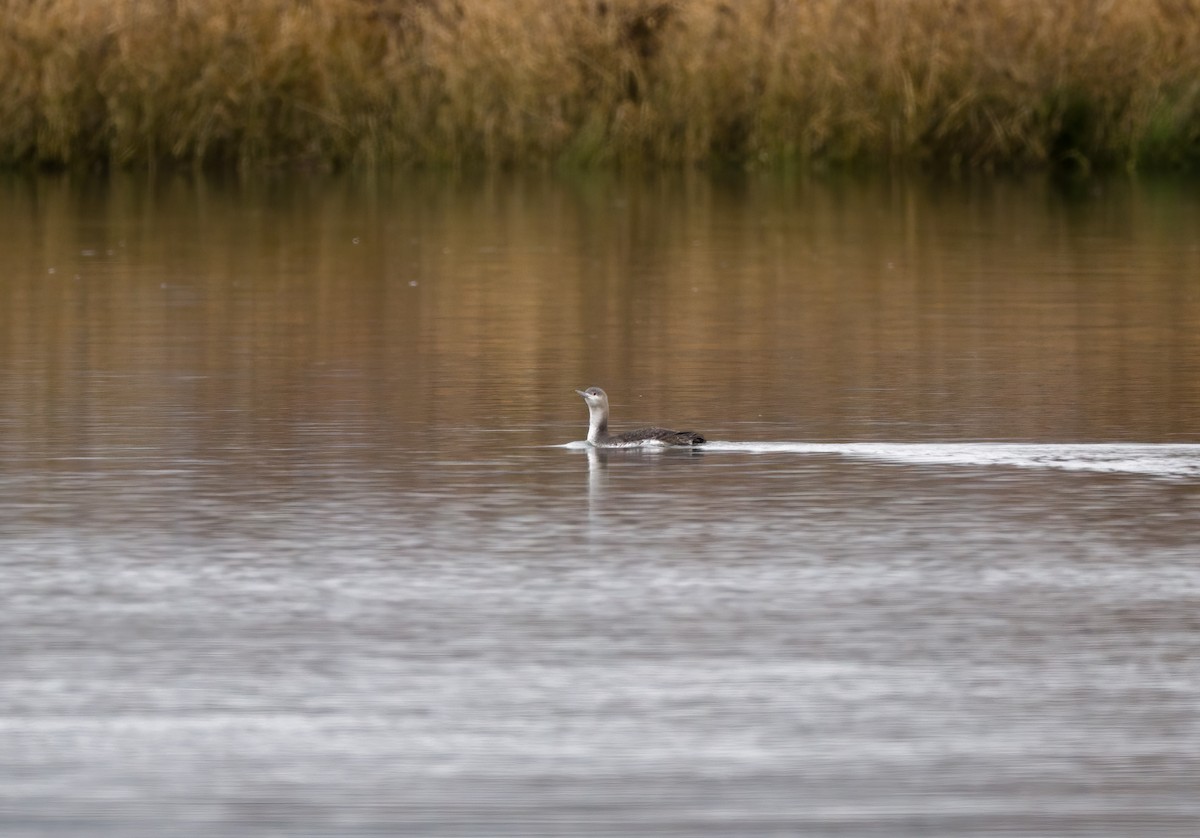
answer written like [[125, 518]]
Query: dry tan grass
[[947, 83]]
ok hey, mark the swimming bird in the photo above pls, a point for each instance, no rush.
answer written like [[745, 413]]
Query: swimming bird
[[598, 435]]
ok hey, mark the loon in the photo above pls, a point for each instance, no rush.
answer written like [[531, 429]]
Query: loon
[[598, 435]]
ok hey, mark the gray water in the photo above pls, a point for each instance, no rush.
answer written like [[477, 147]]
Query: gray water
[[298, 536]]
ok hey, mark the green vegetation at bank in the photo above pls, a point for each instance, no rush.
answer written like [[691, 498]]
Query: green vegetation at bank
[[973, 84]]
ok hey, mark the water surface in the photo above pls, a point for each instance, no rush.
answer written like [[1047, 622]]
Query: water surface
[[298, 539]]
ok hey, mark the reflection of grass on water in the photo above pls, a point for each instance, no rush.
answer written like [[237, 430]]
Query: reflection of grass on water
[[952, 83]]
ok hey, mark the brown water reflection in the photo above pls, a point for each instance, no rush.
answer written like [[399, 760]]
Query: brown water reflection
[[847, 309], [290, 546]]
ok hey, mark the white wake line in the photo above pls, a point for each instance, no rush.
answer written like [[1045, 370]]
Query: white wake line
[[1164, 460], [1174, 460]]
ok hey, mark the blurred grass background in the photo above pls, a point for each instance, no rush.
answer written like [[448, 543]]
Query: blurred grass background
[[946, 84]]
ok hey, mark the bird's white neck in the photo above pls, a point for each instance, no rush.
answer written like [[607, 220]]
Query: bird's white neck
[[597, 422]]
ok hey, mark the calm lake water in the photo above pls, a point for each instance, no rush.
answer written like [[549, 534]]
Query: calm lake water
[[297, 536]]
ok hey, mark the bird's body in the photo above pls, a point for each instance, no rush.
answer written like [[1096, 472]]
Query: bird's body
[[598, 435]]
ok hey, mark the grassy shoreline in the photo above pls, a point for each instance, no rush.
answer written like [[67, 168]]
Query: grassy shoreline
[[945, 84]]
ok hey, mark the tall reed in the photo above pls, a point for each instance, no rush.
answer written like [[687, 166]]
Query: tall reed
[[332, 83]]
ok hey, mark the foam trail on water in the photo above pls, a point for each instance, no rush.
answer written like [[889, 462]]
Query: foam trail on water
[[1158, 460]]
